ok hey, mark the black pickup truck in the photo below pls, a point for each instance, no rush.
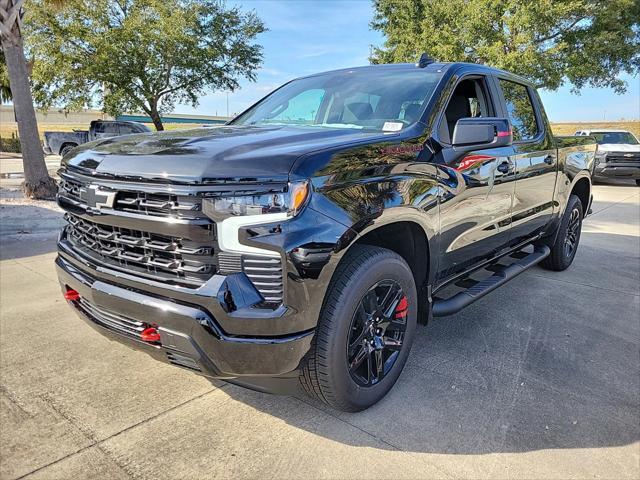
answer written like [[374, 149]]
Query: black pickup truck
[[61, 143], [302, 243]]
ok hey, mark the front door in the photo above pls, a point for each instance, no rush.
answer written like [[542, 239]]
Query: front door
[[475, 208]]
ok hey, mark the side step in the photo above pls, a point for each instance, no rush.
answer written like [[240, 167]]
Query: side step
[[477, 290]]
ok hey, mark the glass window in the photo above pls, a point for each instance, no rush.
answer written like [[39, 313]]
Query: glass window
[[371, 98], [301, 109], [127, 129], [603, 138], [109, 128], [520, 110]]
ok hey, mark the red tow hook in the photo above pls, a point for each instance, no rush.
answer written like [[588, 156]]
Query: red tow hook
[[71, 295], [150, 334], [402, 308]]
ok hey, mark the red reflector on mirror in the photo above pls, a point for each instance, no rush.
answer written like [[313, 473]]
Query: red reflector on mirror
[[71, 295], [150, 335]]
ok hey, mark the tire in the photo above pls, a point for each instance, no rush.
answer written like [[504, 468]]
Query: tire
[[66, 149], [637, 182], [562, 254], [365, 274]]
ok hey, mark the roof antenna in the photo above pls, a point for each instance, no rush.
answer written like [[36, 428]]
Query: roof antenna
[[424, 61]]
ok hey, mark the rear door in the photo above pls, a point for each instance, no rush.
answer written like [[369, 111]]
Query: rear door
[[534, 158]]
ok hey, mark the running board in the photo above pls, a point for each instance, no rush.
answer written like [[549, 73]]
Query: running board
[[477, 290]]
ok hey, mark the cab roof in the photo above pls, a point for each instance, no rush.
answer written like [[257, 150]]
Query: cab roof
[[431, 67]]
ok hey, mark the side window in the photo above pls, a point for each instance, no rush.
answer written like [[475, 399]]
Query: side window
[[520, 110], [469, 100], [127, 129], [107, 128], [301, 109]]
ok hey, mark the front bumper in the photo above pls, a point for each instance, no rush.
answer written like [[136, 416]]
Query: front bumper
[[189, 336], [630, 170]]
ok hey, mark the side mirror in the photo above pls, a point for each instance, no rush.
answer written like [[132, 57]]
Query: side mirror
[[488, 132]]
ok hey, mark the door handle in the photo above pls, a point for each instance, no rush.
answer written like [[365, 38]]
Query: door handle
[[549, 159], [504, 167]]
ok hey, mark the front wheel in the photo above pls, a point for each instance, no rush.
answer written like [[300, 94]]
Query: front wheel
[[564, 249], [365, 331], [637, 182], [66, 149]]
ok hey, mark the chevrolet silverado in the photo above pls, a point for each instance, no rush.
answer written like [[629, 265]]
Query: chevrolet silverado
[[301, 244]]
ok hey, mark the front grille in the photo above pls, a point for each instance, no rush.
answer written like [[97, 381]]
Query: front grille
[[150, 254], [621, 158], [159, 205], [121, 324], [141, 203], [70, 189], [183, 254]]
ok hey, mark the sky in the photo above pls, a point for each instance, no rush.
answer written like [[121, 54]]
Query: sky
[[310, 36]]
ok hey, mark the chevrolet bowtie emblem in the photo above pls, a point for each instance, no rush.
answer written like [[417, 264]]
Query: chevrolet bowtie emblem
[[628, 154], [96, 198]]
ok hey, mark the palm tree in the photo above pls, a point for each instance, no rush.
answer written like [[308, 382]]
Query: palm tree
[[37, 182]]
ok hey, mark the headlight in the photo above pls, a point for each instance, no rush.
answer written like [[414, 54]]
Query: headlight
[[600, 157], [289, 203]]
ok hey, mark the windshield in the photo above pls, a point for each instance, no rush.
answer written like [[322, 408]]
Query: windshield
[[383, 100], [614, 137]]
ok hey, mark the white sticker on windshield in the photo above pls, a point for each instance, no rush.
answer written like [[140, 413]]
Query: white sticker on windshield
[[392, 127]]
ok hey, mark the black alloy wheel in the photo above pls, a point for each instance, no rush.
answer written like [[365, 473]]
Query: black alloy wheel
[[567, 237], [573, 233], [365, 330], [377, 333]]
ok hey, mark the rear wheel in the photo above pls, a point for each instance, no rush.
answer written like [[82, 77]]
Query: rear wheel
[[365, 331], [637, 182], [564, 249]]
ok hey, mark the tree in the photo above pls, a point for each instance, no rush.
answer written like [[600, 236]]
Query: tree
[[551, 42], [132, 55], [37, 182]]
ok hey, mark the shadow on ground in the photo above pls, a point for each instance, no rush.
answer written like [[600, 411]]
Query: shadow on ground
[[546, 362]]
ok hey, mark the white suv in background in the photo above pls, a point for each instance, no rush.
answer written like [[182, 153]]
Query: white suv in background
[[618, 154]]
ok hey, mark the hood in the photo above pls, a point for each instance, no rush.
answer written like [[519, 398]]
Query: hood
[[618, 147], [209, 154]]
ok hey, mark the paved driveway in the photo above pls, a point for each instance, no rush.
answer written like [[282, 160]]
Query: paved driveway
[[539, 379]]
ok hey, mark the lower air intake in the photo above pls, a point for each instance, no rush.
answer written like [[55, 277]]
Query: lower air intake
[[264, 272]]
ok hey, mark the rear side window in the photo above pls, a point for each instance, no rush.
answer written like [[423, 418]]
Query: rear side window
[[127, 129], [110, 128], [520, 110]]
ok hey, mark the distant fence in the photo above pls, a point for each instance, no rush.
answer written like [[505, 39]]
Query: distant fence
[[53, 117], [175, 118], [84, 117]]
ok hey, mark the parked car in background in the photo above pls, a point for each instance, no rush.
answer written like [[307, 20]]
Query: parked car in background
[[302, 243], [61, 143], [618, 154]]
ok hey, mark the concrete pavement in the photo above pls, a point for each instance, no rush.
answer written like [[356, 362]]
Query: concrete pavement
[[540, 379]]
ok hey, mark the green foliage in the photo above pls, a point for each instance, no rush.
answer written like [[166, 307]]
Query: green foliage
[[5, 89], [132, 55], [10, 144], [551, 42]]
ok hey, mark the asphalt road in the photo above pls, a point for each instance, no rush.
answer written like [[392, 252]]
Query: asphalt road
[[540, 379]]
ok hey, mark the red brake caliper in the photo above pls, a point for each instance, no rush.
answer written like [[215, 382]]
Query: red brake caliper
[[402, 308]]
